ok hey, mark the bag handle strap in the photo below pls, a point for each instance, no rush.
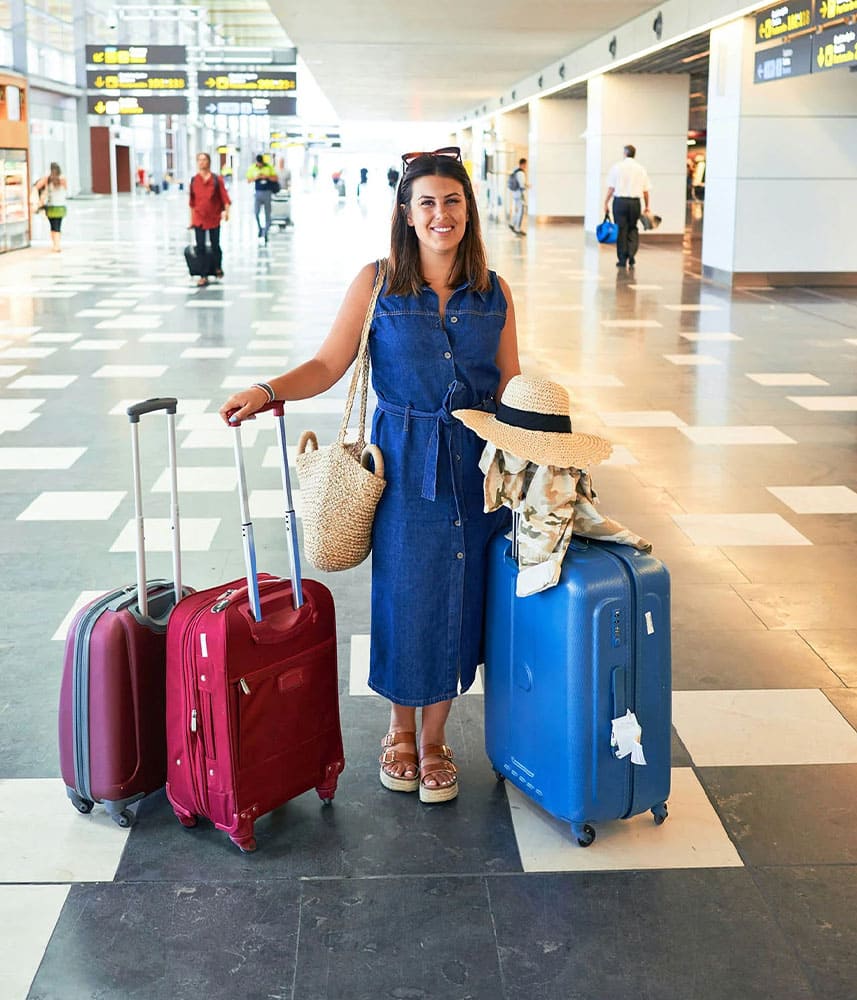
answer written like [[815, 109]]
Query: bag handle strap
[[360, 375]]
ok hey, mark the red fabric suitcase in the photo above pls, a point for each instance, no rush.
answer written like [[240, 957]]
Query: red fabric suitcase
[[252, 689], [111, 713]]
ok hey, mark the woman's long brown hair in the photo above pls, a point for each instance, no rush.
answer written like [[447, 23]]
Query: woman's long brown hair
[[404, 273]]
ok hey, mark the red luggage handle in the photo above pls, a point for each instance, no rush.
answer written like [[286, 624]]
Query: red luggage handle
[[290, 516], [135, 411]]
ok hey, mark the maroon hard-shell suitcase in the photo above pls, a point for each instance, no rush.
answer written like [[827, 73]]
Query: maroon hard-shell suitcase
[[111, 713], [252, 689]]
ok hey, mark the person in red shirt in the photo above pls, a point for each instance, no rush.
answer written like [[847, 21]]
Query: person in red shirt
[[209, 205]]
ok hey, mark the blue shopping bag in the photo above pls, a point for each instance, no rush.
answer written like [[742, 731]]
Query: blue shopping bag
[[606, 231]]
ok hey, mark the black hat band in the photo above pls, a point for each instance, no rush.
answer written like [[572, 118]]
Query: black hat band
[[553, 423]]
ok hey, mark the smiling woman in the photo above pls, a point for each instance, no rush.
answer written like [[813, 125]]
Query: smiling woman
[[427, 178], [442, 338]]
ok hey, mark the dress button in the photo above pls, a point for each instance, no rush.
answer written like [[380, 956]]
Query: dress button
[[457, 523], [446, 354], [458, 458], [453, 319], [459, 555]]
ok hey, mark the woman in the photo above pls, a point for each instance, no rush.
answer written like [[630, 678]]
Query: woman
[[52, 190], [443, 338], [209, 206]]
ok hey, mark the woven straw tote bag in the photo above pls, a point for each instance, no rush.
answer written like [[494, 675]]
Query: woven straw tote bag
[[341, 485]]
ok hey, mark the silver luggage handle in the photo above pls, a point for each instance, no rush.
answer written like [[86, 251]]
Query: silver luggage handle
[[135, 411], [290, 516]]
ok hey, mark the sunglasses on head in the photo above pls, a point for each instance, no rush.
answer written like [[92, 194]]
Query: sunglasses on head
[[452, 151]]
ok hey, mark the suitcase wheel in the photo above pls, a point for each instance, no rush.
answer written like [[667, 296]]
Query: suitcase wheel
[[82, 805], [188, 821], [123, 819], [246, 846], [585, 834], [660, 813], [499, 776]]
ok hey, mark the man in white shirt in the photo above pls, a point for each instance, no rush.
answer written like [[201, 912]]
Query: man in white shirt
[[628, 185]]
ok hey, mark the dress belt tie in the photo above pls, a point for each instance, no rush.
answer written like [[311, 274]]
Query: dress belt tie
[[441, 417]]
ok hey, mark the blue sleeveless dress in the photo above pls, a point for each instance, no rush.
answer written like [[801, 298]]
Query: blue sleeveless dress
[[430, 533]]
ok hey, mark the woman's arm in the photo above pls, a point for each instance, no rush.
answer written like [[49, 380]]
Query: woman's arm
[[331, 361], [507, 353]]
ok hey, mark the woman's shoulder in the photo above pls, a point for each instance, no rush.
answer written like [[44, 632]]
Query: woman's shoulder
[[500, 283]]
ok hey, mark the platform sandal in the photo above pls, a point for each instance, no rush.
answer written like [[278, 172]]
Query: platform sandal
[[436, 768], [390, 756]]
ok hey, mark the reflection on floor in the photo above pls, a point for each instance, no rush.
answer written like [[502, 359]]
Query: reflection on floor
[[733, 419]]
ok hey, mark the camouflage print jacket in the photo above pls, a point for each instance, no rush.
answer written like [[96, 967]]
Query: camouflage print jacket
[[552, 503]]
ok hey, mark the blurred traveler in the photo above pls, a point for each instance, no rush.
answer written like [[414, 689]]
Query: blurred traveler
[[393, 177], [264, 178], [628, 186], [209, 205], [52, 189], [442, 338], [284, 176], [517, 185]]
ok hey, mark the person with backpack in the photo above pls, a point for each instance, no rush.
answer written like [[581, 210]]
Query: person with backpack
[[209, 205], [517, 186]]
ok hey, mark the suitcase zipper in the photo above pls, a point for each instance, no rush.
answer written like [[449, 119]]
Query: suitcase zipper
[[80, 693], [192, 740], [114, 600]]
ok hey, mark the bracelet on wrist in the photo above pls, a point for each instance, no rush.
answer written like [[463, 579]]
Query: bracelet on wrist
[[269, 392]]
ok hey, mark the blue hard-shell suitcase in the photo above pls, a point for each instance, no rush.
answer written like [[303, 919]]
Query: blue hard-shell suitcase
[[560, 665]]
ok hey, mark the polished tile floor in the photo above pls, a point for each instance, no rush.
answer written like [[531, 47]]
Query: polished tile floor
[[733, 416]]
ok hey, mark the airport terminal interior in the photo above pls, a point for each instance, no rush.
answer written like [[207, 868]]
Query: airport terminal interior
[[722, 367]]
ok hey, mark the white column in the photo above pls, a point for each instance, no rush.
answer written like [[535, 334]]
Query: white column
[[651, 112], [782, 163], [557, 167]]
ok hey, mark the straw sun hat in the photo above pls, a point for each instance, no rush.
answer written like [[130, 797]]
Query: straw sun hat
[[533, 422]]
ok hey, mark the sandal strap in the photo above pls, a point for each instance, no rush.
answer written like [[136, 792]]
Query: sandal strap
[[444, 764], [398, 757], [398, 737], [437, 750]]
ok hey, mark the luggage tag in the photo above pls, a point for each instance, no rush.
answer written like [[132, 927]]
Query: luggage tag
[[626, 738], [533, 579]]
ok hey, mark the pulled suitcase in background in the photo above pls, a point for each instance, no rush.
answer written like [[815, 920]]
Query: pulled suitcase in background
[[200, 265], [252, 688], [111, 714], [562, 665]]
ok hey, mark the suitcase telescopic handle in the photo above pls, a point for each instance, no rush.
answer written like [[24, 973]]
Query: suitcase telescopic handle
[[135, 411], [290, 516]]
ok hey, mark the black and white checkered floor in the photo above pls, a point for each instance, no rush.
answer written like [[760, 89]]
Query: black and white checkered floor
[[734, 419]]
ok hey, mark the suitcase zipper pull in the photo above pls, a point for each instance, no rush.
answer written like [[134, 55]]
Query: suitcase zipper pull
[[245, 687], [193, 721]]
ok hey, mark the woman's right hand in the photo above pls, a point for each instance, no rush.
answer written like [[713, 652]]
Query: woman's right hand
[[245, 404]]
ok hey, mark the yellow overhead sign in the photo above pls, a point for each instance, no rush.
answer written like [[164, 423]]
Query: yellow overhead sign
[[269, 82]]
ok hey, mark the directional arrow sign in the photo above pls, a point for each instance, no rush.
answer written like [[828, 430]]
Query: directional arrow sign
[[792, 59], [131, 106], [244, 104]]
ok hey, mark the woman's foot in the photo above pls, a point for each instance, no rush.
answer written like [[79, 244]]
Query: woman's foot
[[398, 760], [438, 774], [202, 282]]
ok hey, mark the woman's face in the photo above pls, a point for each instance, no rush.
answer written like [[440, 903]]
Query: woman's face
[[438, 212], [203, 162]]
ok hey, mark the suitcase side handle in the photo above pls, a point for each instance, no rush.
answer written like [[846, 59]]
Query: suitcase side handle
[[135, 411], [290, 516]]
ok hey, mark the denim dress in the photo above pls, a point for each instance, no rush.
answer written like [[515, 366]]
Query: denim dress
[[430, 534]]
